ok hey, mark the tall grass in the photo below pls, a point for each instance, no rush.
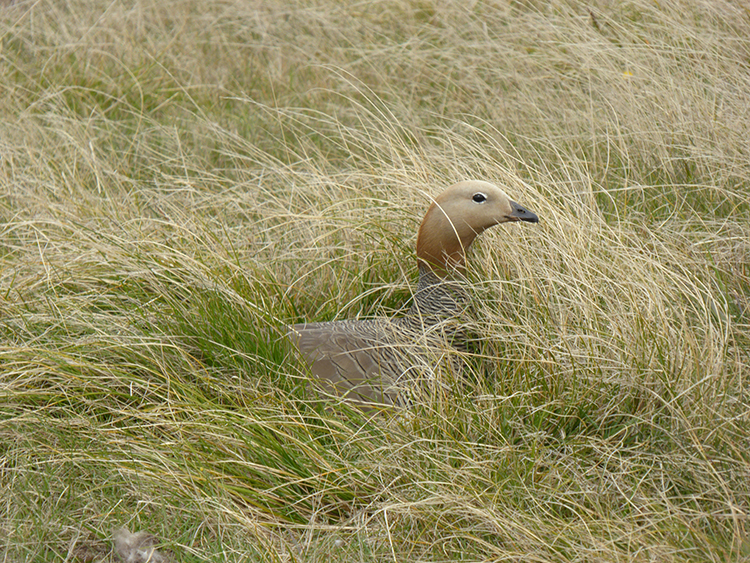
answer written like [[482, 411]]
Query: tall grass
[[180, 180]]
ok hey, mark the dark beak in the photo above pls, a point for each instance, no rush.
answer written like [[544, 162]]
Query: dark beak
[[519, 213]]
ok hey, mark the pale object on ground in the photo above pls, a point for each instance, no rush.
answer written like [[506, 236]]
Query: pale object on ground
[[139, 547]]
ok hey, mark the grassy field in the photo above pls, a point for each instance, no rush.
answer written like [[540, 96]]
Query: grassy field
[[179, 180]]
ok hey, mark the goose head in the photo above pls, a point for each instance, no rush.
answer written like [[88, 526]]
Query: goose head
[[456, 217]]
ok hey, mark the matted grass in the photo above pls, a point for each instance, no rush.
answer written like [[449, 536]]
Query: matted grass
[[179, 180]]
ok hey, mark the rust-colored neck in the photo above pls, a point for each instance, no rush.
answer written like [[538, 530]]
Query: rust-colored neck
[[442, 243]]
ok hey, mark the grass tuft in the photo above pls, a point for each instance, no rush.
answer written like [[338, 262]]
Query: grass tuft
[[178, 183]]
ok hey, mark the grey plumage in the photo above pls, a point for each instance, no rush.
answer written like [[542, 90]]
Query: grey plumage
[[379, 360]]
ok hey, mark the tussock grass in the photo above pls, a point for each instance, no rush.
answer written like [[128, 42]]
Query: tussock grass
[[178, 181]]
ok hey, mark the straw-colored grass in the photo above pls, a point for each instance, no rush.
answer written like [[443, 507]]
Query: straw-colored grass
[[179, 180]]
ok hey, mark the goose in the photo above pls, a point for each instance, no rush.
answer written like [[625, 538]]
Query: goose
[[379, 361]]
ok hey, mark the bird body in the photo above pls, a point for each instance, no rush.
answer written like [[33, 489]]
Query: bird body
[[378, 361]]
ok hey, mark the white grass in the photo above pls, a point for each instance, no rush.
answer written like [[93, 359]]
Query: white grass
[[179, 180]]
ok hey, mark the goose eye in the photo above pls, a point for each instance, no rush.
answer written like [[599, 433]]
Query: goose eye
[[479, 197]]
